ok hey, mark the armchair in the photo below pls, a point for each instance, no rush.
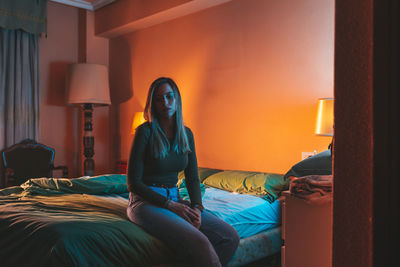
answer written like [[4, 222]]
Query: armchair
[[28, 159]]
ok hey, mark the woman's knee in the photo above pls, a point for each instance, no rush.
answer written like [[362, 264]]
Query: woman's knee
[[227, 245], [201, 252], [201, 243], [230, 236], [235, 238]]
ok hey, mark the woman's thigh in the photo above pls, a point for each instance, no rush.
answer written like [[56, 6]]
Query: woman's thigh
[[160, 222]]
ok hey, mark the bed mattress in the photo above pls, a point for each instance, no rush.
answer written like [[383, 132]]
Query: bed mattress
[[256, 247]]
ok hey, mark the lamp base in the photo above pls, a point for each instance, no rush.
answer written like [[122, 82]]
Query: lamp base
[[88, 166], [88, 141]]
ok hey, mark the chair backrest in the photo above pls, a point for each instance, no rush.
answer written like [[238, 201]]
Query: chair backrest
[[28, 159]]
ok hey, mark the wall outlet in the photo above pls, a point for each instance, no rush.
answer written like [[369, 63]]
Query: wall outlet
[[305, 155]]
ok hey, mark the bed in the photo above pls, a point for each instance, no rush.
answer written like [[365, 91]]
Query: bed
[[82, 221]]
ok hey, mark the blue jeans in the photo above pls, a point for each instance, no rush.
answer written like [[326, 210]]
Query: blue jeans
[[170, 193], [212, 245]]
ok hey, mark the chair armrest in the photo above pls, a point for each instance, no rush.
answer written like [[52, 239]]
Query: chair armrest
[[63, 168], [8, 177]]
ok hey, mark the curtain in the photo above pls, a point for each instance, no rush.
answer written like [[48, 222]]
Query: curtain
[[19, 86], [27, 15]]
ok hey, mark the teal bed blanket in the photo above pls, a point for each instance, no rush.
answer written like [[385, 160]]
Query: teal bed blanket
[[60, 222]]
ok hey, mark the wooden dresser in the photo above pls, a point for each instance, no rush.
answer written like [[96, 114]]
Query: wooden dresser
[[306, 233]]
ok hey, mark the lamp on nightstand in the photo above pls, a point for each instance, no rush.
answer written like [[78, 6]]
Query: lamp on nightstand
[[324, 125], [87, 85]]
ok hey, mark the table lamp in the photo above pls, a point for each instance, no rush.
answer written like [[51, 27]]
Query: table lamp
[[138, 119], [324, 125], [88, 86]]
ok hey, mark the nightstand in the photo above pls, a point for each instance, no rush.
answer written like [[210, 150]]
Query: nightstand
[[306, 233]]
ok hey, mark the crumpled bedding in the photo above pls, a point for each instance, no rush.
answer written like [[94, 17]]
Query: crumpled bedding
[[83, 222], [96, 185], [58, 222]]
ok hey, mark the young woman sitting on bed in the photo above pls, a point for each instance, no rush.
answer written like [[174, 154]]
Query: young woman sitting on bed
[[162, 147]]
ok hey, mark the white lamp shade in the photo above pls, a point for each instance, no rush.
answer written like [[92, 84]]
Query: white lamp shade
[[88, 83], [324, 124]]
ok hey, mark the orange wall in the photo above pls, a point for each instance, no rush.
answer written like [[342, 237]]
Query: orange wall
[[250, 73], [60, 125]]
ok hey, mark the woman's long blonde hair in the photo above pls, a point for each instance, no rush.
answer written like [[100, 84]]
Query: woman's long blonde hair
[[159, 141]]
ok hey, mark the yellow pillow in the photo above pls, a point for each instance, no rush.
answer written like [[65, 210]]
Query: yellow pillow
[[266, 185]]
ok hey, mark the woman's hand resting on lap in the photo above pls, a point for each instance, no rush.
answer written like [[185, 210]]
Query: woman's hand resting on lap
[[192, 215], [196, 222]]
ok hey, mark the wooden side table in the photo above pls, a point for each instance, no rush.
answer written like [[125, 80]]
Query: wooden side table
[[306, 233]]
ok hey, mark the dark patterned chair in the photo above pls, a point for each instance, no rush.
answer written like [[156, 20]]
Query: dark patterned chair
[[28, 159]]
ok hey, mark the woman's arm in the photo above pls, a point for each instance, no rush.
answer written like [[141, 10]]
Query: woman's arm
[[191, 173], [136, 165]]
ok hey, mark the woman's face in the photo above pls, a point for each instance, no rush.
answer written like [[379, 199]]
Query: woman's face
[[164, 101]]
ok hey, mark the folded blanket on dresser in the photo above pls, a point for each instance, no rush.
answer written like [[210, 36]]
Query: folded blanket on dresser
[[315, 189]]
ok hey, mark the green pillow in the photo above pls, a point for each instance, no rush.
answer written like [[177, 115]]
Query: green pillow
[[93, 185], [183, 190], [266, 185]]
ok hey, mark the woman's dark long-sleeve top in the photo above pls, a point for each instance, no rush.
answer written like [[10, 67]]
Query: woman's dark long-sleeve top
[[145, 170]]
